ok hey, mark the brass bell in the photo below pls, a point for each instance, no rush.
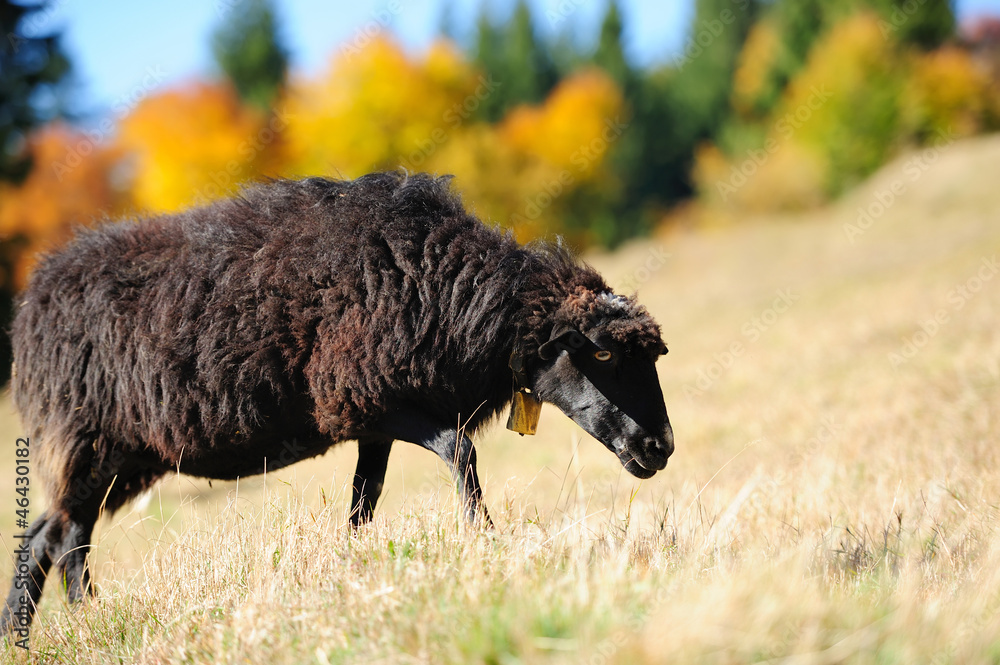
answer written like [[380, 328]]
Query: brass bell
[[524, 412]]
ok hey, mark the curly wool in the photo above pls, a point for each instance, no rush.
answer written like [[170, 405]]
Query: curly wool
[[622, 318]]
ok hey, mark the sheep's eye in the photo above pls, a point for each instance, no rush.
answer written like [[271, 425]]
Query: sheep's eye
[[603, 356]]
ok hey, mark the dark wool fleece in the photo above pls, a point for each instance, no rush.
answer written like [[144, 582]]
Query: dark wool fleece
[[304, 308]]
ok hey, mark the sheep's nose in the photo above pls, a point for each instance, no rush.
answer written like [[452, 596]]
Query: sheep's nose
[[656, 451], [660, 447]]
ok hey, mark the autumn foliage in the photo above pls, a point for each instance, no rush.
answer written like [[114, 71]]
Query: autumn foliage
[[379, 108], [792, 139], [195, 144], [860, 97], [376, 107], [73, 180]]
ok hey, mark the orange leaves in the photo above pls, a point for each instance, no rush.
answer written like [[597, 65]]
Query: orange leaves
[[195, 144], [71, 182], [948, 94], [376, 107], [521, 171], [175, 149], [573, 128]]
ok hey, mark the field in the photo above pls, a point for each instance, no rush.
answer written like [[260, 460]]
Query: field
[[834, 497]]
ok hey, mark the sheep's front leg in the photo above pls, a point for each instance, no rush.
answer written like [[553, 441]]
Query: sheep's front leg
[[373, 458], [460, 456], [452, 446]]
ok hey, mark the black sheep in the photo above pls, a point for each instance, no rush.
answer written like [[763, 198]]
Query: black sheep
[[261, 330]]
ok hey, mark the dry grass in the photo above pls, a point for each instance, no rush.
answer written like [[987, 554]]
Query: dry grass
[[823, 506]]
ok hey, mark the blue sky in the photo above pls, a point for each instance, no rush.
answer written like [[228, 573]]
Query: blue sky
[[121, 47]]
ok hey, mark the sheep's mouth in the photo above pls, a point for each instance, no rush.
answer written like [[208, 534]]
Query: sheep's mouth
[[633, 466], [639, 466], [645, 459]]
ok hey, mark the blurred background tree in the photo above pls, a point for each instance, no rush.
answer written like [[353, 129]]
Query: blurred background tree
[[193, 145], [927, 25], [512, 53], [379, 108], [825, 93], [33, 73], [249, 50], [696, 95]]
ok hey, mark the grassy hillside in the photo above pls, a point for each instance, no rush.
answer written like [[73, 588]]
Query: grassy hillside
[[834, 497]]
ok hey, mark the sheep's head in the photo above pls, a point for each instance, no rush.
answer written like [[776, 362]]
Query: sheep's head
[[598, 367]]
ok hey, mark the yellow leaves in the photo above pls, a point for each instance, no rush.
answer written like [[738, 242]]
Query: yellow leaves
[[447, 68], [835, 124], [521, 171], [71, 182], [838, 118], [486, 168], [755, 62], [194, 144], [378, 108], [858, 99], [851, 62], [375, 108]]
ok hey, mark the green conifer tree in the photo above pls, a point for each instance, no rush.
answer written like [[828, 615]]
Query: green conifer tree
[[249, 51], [32, 67], [512, 54]]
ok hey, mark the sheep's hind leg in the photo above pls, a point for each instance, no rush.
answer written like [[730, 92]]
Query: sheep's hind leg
[[120, 484], [73, 560], [29, 580], [373, 458]]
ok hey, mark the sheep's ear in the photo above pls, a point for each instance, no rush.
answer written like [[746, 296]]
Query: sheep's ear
[[570, 341]]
